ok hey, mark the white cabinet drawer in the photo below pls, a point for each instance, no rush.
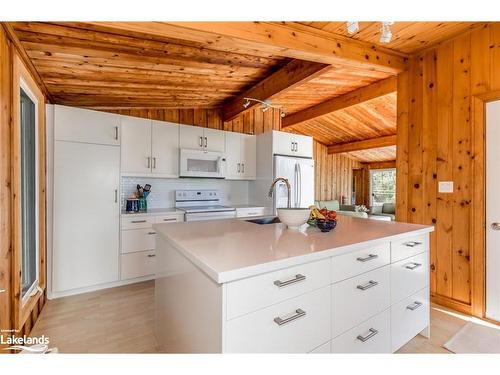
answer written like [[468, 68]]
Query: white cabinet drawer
[[409, 276], [137, 222], [138, 264], [305, 324], [372, 336], [138, 240], [408, 247], [409, 317], [253, 293], [250, 211], [169, 218], [322, 349], [358, 262], [359, 298]]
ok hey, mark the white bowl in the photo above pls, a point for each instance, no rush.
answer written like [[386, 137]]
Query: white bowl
[[294, 218]]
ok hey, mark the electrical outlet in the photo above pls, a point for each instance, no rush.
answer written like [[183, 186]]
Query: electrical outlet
[[445, 187]]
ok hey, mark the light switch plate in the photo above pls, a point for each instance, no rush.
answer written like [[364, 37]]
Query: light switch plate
[[445, 187]]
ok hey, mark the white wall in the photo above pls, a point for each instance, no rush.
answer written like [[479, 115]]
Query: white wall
[[163, 189]]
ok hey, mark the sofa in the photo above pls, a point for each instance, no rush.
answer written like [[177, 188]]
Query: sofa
[[344, 209], [386, 209]]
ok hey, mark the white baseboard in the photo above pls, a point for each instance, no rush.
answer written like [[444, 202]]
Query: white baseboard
[[93, 288]]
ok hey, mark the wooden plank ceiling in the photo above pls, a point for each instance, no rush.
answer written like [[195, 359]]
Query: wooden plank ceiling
[[151, 64], [408, 37]]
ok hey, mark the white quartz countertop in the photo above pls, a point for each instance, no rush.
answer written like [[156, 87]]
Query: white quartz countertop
[[228, 250], [154, 212]]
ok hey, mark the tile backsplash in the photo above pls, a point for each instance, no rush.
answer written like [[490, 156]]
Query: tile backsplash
[[163, 190]]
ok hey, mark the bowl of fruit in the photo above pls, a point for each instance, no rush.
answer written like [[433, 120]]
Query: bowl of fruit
[[325, 220]]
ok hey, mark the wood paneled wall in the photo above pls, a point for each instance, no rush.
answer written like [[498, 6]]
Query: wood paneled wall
[[436, 142], [334, 176]]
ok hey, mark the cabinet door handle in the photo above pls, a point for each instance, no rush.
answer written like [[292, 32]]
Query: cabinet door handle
[[372, 333], [299, 313], [151, 255], [154, 163], [116, 196], [206, 142], [149, 162], [151, 232], [138, 221], [116, 133], [239, 167], [296, 147], [242, 167], [412, 243], [201, 141], [415, 305], [368, 285], [172, 219], [297, 278], [367, 258], [412, 266]]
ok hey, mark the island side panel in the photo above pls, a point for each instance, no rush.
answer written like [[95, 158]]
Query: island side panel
[[188, 304]]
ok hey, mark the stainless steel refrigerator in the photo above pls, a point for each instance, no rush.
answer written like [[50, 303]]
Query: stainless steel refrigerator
[[300, 173]]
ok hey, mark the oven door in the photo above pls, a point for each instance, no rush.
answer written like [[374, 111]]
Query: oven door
[[205, 164], [212, 215]]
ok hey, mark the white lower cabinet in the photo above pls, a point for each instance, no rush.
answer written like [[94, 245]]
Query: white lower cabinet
[[250, 211], [138, 264], [409, 276], [297, 325], [371, 336], [409, 317]]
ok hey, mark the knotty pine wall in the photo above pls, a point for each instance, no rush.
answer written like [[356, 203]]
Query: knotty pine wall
[[436, 143], [333, 173]]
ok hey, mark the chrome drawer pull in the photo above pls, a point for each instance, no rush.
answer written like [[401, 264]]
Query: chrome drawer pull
[[299, 313], [368, 285], [172, 219], [412, 243], [372, 333], [413, 266], [151, 232], [367, 258], [297, 278], [151, 255], [138, 221], [415, 305]]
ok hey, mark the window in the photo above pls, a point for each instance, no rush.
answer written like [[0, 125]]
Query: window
[[29, 192], [382, 186]]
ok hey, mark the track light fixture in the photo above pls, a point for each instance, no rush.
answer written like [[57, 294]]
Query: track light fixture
[[352, 27], [265, 105], [385, 32]]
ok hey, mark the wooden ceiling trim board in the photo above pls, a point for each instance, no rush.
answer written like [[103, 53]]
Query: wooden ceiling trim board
[[382, 164], [291, 75], [277, 38], [389, 140], [26, 60], [363, 94]]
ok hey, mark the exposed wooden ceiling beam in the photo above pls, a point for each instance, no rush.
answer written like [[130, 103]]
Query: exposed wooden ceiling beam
[[280, 38], [381, 164], [26, 60], [363, 94], [389, 140], [291, 75]]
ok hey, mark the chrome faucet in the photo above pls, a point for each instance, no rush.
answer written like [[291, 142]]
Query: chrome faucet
[[288, 188]]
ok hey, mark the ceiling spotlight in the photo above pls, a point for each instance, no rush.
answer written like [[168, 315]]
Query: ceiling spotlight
[[265, 107], [352, 27], [282, 114], [386, 34], [246, 104]]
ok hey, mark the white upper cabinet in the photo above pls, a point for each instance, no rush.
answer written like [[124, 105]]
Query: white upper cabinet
[[292, 144], [136, 156], [240, 156], [83, 125], [165, 149], [198, 138]]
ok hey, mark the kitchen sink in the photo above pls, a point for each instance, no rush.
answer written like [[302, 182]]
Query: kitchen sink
[[265, 220]]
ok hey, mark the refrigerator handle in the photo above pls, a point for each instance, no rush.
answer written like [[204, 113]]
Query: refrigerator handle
[[295, 182], [299, 185]]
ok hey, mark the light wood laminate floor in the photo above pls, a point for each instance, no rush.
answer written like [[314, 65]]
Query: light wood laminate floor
[[121, 320]]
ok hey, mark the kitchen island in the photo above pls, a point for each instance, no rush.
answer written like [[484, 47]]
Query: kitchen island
[[234, 286]]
